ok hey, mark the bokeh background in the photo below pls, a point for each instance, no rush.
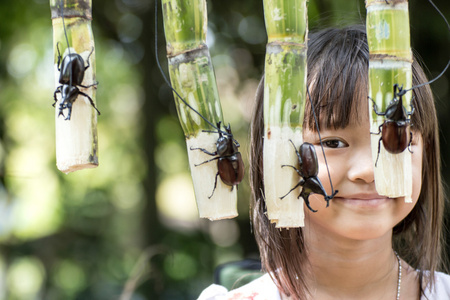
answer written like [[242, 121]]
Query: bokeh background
[[129, 228]]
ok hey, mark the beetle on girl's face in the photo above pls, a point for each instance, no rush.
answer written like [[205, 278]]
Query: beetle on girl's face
[[71, 75], [308, 171], [395, 130], [229, 160]]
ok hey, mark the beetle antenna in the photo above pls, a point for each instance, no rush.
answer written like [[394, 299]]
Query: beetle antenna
[[448, 64], [333, 192], [61, 4], [167, 80]]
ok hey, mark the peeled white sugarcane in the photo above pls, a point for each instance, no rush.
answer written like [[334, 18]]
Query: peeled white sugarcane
[[390, 64], [76, 134], [192, 77], [284, 103]]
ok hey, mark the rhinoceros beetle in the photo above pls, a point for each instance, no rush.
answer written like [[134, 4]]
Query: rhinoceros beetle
[[308, 171], [395, 131], [71, 75], [229, 160]]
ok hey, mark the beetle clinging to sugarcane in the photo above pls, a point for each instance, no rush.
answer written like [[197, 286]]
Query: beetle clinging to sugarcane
[[397, 134], [212, 149], [72, 71]]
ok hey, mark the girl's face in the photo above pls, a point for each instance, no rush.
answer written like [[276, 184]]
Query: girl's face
[[357, 211]]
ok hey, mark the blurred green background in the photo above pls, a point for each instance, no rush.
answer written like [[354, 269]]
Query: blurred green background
[[129, 228]]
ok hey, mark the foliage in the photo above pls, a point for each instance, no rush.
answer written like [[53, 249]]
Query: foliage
[[131, 224]]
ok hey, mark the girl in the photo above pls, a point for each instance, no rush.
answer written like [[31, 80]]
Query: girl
[[363, 246]]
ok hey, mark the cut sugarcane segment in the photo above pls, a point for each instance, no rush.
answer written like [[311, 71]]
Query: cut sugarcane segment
[[76, 139], [390, 63]]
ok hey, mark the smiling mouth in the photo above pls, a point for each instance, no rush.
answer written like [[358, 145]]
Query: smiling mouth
[[367, 202]]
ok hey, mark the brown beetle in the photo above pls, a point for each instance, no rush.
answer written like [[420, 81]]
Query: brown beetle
[[308, 171], [395, 130], [229, 160]]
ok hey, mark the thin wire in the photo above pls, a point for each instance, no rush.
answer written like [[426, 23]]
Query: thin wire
[[320, 140], [167, 81], [448, 64], [61, 4]]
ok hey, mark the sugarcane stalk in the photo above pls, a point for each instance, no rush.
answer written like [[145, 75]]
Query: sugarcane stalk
[[284, 102], [390, 62], [76, 139], [192, 76]]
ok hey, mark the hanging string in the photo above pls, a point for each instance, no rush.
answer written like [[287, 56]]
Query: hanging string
[[168, 82], [320, 140], [61, 5], [448, 64]]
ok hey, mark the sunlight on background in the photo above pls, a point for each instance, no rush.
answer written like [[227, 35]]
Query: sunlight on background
[[81, 235], [176, 201], [25, 277]]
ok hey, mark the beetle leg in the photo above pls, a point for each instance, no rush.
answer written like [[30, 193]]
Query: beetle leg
[[375, 108], [215, 185], [412, 110], [205, 151], [378, 154], [328, 198], [296, 170], [90, 100], [58, 90], [88, 86], [207, 161], [379, 130], [300, 183], [88, 64], [410, 140], [296, 152], [69, 107], [59, 56]]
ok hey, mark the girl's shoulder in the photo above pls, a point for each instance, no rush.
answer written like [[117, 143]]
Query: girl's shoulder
[[441, 288], [262, 288]]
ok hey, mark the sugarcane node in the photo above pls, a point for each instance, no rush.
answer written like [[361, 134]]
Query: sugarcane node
[[396, 128], [308, 170], [71, 74], [230, 165]]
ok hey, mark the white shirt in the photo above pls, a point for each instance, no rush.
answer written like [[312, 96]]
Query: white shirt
[[264, 288]]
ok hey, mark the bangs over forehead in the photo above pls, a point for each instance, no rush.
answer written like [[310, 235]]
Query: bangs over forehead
[[337, 76]]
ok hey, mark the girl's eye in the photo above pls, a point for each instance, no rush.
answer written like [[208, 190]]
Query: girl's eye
[[334, 143]]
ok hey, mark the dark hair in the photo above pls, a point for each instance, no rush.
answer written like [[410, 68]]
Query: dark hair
[[338, 78]]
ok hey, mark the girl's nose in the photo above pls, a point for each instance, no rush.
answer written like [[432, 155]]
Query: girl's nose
[[361, 166]]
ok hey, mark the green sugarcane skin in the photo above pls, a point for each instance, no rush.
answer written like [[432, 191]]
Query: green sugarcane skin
[[388, 36], [192, 76], [71, 8], [388, 30], [285, 66], [382, 77], [285, 85], [185, 25], [190, 67], [286, 21]]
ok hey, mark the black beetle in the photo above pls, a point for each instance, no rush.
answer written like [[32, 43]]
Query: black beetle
[[308, 170], [395, 130], [229, 160], [71, 75]]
